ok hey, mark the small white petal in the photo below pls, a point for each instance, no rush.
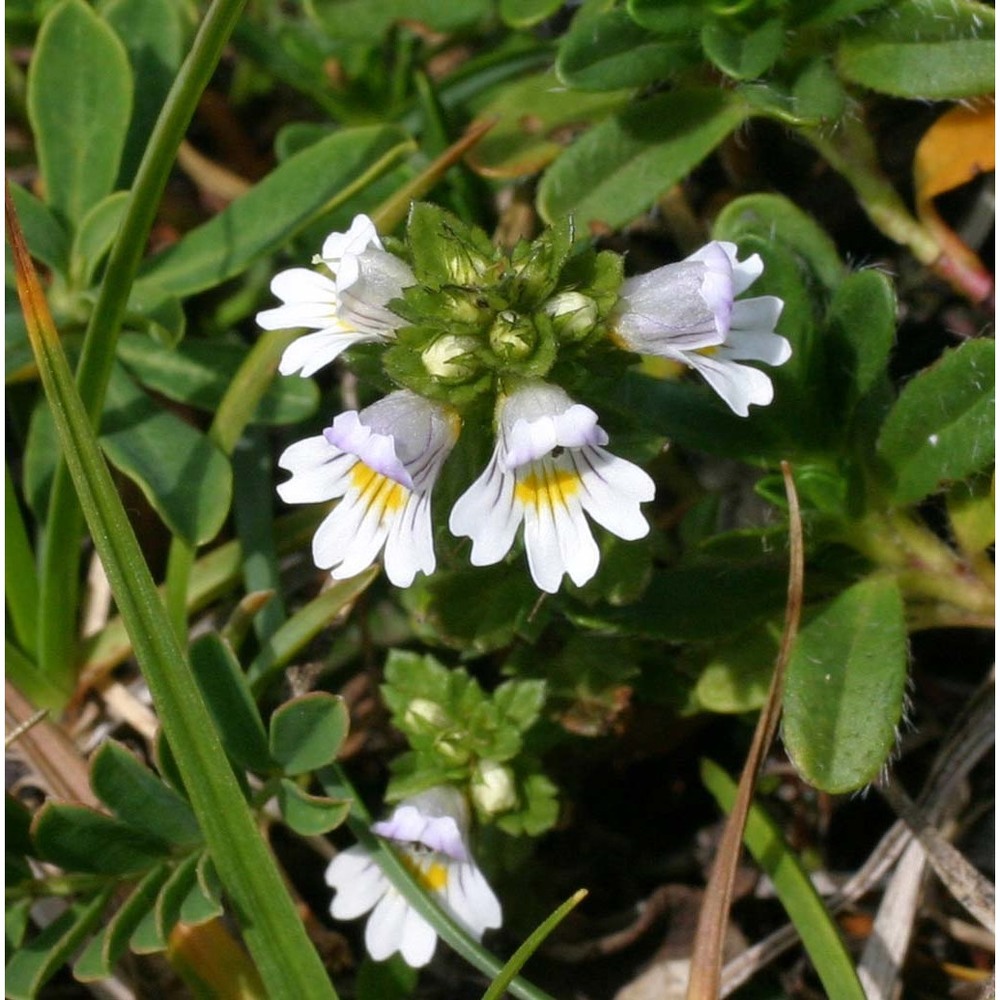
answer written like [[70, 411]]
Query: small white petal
[[358, 881], [471, 901], [488, 514], [743, 345], [418, 940], [757, 315], [356, 240], [384, 930], [613, 490], [738, 385], [318, 471], [306, 355]]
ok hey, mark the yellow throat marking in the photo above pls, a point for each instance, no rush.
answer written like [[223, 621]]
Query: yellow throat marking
[[433, 878], [377, 490], [547, 486]]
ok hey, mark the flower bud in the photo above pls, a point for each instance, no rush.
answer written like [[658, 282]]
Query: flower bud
[[492, 788], [512, 336], [450, 357], [424, 715], [573, 314]]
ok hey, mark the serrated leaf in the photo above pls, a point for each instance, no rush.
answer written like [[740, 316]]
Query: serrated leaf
[[926, 49], [520, 702], [181, 472], [610, 51], [79, 839], [941, 428], [536, 119], [445, 251], [306, 732], [34, 964], [224, 687], [310, 815], [198, 373], [137, 797], [275, 209], [845, 685], [621, 166], [99, 957], [79, 103], [93, 238]]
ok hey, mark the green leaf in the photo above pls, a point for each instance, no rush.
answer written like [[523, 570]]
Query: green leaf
[[181, 472], [861, 329], [845, 685], [679, 17], [389, 980], [818, 96], [446, 251], [80, 839], [536, 118], [926, 49], [36, 962], [619, 168], [92, 240], [310, 815], [361, 20], [202, 902], [154, 33], [525, 13], [801, 901], [138, 798], [47, 239], [199, 372], [106, 948], [778, 220], [275, 209], [697, 602], [306, 732], [224, 687], [79, 103], [743, 54], [738, 672], [610, 51], [941, 428]]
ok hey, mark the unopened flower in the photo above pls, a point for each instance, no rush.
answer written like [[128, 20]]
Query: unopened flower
[[573, 314], [492, 787], [549, 467], [348, 309], [430, 832], [383, 463], [689, 312]]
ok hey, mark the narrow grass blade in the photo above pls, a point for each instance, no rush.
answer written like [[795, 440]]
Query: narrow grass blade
[[803, 904], [271, 926]]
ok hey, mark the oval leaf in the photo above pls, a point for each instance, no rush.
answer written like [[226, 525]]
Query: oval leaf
[[941, 427], [80, 839], [933, 50], [619, 168], [182, 473], [845, 684], [79, 104], [137, 797], [310, 815], [275, 209], [92, 240], [307, 732]]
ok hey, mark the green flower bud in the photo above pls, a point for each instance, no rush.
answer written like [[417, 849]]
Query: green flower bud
[[573, 315], [424, 715], [492, 788], [512, 336], [451, 357]]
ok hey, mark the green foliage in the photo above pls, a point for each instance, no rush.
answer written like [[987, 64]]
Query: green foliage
[[845, 686], [461, 735]]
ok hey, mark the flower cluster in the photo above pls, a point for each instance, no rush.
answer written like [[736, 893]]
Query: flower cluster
[[430, 833], [460, 322]]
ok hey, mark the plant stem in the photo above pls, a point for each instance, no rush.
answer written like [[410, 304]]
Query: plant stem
[[60, 585]]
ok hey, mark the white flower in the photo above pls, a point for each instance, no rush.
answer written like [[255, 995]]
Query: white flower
[[383, 462], [548, 467], [688, 312], [430, 833], [349, 309]]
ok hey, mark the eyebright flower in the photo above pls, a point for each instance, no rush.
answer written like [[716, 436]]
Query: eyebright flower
[[383, 462], [350, 309], [688, 312], [548, 467], [430, 832]]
